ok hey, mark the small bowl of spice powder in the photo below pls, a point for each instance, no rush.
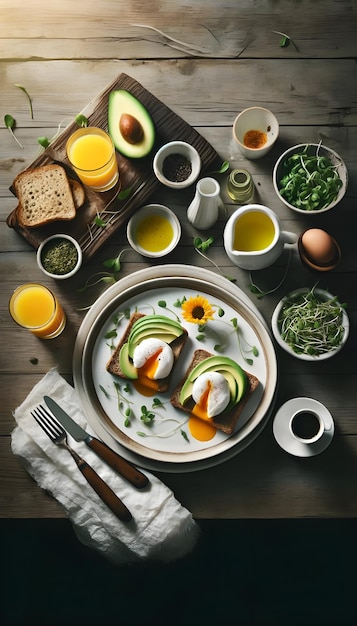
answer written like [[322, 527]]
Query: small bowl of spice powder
[[177, 164], [59, 256]]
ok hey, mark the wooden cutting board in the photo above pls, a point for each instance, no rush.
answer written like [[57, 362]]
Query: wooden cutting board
[[136, 175]]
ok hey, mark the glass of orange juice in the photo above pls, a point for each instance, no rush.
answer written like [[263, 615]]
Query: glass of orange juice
[[36, 308], [91, 153]]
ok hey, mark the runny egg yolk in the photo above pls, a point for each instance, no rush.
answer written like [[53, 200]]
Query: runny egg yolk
[[145, 383], [211, 394], [199, 423], [153, 360]]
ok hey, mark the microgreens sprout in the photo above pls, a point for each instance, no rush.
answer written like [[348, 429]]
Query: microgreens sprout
[[163, 305], [115, 263], [201, 247], [146, 416], [104, 277], [81, 120], [10, 123], [285, 40], [224, 167], [27, 96], [251, 349], [43, 141], [309, 182], [311, 325], [205, 331], [258, 291]]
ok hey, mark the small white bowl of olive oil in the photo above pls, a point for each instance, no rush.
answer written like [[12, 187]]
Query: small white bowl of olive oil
[[154, 230]]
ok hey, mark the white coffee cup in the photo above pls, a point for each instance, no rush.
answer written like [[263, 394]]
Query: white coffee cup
[[307, 426], [253, 237], [255, 130]]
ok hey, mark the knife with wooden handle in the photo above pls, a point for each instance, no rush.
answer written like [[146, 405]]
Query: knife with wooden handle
[[121, 465]]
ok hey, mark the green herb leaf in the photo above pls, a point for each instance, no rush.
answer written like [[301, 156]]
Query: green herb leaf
[[28, 97]]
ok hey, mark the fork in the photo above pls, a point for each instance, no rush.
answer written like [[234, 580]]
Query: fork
[[58, 435]]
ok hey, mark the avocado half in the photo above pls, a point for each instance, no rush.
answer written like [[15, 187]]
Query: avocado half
[[122, 103]]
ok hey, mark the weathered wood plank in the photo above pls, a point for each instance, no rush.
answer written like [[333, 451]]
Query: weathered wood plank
[[109, 31], [287, 87]]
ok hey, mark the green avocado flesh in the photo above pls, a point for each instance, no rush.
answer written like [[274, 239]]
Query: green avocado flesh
[[122, 102], [233, 373], [155, 326]]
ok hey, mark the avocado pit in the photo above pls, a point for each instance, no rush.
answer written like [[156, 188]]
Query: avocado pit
[[130, 128]]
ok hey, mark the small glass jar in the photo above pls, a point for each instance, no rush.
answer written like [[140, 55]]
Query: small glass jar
[[240, 187]]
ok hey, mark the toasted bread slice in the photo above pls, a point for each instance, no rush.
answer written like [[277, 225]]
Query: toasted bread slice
[[226, 421], [44, 195], [113, 365], [78, 192]]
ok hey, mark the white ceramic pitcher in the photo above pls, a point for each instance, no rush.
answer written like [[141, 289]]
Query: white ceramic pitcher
[[203, 211], [253, 238]]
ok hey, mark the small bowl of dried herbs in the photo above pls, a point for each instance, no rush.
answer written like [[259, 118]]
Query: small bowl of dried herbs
[[59, 256], [177, 164]]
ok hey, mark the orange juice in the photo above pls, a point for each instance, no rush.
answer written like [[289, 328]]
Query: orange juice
[[91, 153], [35, 307]]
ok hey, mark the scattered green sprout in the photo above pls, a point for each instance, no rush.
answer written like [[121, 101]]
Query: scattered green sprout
[[147, 417], [310, 324], [285, 40], [115, 263], [244, 351], [310, 181], [163, 305], [43, 141], [27, 96], [10, 123], [81, 120], [201, 247], [224, 167], [260, 293], [206, 331], [123, 402]]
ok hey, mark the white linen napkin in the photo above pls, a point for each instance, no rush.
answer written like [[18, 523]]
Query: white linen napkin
[[161, 529]]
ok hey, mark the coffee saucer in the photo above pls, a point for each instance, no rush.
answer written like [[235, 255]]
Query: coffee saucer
[[286, 439]]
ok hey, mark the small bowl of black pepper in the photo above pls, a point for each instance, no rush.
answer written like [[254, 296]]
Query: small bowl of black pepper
[[59, 256], [177, 164]]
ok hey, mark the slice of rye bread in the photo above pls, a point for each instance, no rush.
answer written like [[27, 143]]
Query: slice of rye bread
[[113, 365], [225, 421], [44, 195]]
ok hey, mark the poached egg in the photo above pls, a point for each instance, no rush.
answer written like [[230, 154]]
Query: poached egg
[[153, 358], [211, 395]]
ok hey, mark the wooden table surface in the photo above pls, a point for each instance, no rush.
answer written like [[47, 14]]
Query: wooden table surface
[[212, 62]]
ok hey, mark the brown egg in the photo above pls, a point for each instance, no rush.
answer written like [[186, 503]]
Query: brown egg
[[318, 246]]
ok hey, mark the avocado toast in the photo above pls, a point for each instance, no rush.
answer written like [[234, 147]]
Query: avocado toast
[[242, 385], [140, 328]]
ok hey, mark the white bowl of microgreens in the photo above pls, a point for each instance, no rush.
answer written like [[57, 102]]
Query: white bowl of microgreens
[[177, 164], [310, 324], [59, 256], [310, 178]]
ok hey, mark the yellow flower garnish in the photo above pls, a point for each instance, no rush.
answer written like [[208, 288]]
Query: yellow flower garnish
[[197, 310]]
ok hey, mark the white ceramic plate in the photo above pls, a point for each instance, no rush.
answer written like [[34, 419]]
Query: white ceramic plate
[[167, 444]]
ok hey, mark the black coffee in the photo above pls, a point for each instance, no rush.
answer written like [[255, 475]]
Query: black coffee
[[305, 425]]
